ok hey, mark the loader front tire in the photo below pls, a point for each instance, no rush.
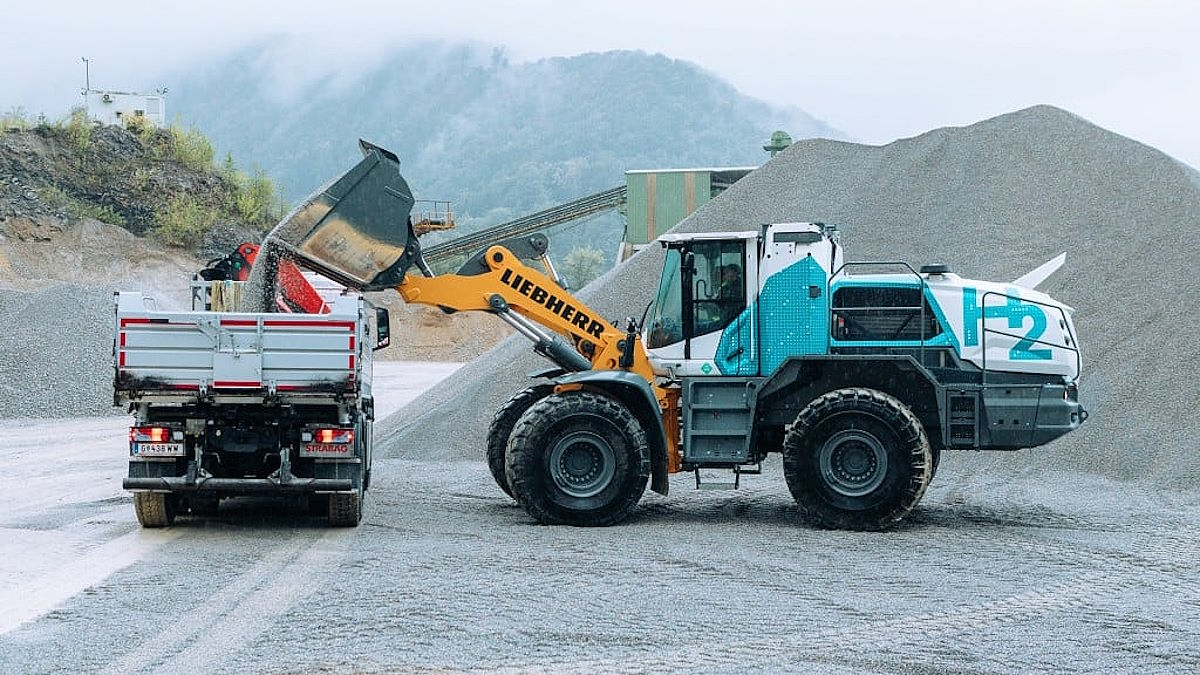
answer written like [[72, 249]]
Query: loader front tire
[[502, 427], [578, 458], [857, 459], [155, 509]]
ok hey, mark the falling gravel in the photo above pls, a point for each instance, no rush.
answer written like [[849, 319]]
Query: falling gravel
[[992, 200]]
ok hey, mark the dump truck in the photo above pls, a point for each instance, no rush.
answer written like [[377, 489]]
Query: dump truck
[[228, 403], [760, 340]]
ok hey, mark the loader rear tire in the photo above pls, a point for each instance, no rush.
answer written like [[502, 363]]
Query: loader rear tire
[[155, 509], [857, 459], [502, 427], [578, 458]]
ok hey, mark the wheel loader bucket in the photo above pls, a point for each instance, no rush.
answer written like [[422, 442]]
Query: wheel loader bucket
[[356, 229]]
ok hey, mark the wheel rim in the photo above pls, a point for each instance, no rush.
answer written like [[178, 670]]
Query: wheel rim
[[582, 464], [853, 463]]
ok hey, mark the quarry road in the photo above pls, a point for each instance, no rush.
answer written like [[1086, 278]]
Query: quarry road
[[995, 573]]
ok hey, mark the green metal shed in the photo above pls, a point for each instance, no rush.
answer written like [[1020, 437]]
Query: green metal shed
[[658, 199]]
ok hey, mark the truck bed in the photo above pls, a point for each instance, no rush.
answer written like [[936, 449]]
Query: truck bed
[[168, 353]]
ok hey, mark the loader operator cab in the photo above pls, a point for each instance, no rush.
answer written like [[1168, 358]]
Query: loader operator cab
[[704, 287]]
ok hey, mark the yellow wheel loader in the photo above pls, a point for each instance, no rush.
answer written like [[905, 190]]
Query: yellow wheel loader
[[757, 341]]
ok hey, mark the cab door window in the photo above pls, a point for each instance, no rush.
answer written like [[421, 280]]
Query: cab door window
[[718, 285]]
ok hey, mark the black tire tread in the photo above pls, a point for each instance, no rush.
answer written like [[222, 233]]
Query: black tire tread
[[153, 509], [345, 510], [502, 426], [525, 457], [901, 420]]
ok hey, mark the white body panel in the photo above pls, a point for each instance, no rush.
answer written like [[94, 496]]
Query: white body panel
[[1023, 330]]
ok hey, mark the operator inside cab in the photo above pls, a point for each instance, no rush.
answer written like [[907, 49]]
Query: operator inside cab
[[713, 289]]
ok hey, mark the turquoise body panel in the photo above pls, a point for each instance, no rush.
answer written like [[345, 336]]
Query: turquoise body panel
[[792, 323]]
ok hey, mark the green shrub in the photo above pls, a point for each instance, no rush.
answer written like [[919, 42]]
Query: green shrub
[[190, 148], [254, 198], [15, 118], [184, 222], [140, 126], [79, 128]]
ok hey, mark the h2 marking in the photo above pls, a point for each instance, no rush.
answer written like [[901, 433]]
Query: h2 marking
[[1016, 312]]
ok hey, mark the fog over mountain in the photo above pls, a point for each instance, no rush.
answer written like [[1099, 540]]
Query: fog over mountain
[[497, 138]]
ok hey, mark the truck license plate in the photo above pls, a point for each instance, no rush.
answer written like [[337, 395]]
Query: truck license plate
[[157, 449]]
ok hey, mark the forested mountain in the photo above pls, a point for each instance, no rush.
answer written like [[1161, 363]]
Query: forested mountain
[[498, 139]]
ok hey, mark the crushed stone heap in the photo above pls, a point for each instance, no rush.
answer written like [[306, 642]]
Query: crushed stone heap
[[993, 200]]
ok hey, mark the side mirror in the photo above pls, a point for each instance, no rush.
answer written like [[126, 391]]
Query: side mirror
[[689, 261], [383, 328]]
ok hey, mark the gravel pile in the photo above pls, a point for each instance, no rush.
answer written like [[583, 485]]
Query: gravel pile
[[58, 354], [993, 200]]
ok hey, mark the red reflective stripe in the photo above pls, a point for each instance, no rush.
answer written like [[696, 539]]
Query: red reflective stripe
[[185, 386], [351, 362], [242, 384], [126, 322], [239, 322], [123, 338], [310, 324], [122, 355], [291, 387], [351, 343]]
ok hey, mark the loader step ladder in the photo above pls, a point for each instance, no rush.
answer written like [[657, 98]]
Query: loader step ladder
[[963, 407], [718, 416], [738, 471]]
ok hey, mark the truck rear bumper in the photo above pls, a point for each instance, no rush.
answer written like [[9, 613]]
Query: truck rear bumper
[[237, 485]]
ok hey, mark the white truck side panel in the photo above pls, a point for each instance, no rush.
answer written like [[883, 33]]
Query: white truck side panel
[[156, 350]]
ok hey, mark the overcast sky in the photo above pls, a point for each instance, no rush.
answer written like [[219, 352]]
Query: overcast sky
[[876, 70]]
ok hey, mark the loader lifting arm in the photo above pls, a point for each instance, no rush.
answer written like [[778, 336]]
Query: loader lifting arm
[[509, 286]]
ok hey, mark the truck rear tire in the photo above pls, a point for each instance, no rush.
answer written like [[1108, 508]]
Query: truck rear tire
[[345, 510], [857, 459], [502, 426], [154, 509], [578, 458]]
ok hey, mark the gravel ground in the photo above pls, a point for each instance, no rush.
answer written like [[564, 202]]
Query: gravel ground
[[1052, 572], [993, 200], [989, 576]]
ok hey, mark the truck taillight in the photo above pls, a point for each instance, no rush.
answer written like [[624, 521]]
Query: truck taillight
[[149, 434], [334, 436]]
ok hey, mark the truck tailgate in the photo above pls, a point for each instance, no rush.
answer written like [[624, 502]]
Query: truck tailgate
[[156, 351]]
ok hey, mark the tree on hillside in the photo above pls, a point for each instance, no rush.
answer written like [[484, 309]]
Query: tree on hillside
[[582, 265]]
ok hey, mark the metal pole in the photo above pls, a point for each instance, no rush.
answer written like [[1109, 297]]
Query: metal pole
[[87, 76]]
